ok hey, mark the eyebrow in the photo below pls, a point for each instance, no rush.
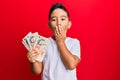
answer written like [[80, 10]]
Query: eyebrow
[[60, 16], [53, 17], [63, 16]]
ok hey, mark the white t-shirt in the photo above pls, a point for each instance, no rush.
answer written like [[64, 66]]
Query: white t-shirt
[[54, 68]]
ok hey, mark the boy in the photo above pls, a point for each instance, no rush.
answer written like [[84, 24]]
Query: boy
[[62, 54]]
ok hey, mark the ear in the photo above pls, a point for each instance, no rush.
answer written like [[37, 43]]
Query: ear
[[69, 24]]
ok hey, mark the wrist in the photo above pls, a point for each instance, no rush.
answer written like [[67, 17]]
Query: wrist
[[60, 43]]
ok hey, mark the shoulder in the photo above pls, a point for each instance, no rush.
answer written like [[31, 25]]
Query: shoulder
[[72, 40]]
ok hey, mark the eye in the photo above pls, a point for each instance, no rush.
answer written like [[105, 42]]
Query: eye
[[62, 19], [53, 19]]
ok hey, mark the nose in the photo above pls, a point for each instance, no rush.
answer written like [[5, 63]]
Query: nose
[[58, 22]]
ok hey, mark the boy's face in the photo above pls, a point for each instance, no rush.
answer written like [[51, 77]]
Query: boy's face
[[59, 17]]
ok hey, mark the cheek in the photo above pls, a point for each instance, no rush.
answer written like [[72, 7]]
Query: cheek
[[52, 25], [65, 26]]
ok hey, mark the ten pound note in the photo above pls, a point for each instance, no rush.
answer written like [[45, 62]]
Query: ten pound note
[[34, 40]]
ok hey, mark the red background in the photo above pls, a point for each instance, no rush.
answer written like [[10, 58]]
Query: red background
[[94, 22]]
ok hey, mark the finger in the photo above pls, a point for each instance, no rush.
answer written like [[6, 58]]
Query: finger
[[34, 57], [31, 56], [55, 33], [32, 60], [57, 30], [29, 53], [32, 50], [61, 30], [32, 53]]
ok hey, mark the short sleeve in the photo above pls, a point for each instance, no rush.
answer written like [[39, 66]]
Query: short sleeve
[[75, 48]]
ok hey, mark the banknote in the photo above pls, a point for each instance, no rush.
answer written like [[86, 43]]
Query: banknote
[[42, 44], [26, 42], [34, 40]]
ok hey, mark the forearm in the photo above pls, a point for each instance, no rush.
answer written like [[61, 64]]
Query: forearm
[[36, 67], [70, 61]]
